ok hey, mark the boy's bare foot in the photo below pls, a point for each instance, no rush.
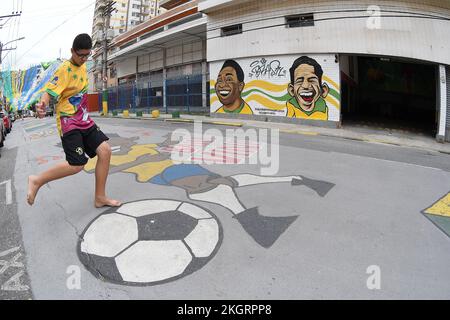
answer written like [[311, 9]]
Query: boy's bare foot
[[33, 188], [106, 202]]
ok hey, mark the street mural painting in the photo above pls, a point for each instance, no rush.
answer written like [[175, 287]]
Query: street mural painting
[[152, 163], [16, 281], [439, 214], [48, 158], [41, 130], [289, 86], [150, 242]]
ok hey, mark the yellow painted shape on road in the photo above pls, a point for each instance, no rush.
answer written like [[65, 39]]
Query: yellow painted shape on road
[[117, 160], [148, 170], [441, 207]]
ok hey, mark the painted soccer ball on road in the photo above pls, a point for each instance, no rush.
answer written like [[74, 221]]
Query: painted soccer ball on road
[[149, 242]]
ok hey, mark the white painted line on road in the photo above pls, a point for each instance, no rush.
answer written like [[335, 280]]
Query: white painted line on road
[[7, 183], [115, 149], [6, 252]]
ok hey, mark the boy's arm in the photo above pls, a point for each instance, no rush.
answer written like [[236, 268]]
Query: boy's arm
[[40, 107], [53, 88]]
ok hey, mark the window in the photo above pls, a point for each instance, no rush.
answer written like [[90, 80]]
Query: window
[[300, 20], [231, 30], [123, 5]]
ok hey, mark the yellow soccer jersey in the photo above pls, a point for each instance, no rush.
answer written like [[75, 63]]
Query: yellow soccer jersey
[[243, 109], [69, 85], [320, 111]]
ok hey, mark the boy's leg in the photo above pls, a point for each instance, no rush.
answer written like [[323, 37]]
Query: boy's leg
[[73, 146], [101, 175], [96, 145], [59, 171]]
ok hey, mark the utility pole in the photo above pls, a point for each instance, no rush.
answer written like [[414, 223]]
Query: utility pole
[[106, 14], [9, 16], [2, 98], [6, 49]]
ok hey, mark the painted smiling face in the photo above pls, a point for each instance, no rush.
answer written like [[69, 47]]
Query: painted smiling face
[[307, 88], [229, 88]]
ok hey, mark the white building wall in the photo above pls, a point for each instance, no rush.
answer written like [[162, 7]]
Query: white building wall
[[264, 32], [182, 54], [126, 67]]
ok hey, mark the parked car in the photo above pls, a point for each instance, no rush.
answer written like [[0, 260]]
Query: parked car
[[6, 122], [2, 134]]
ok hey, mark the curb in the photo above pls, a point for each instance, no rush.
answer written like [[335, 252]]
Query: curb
[[129, 118], [292, 131], [219, 123]]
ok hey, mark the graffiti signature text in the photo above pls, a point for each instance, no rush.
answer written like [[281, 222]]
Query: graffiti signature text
[[264, 68]]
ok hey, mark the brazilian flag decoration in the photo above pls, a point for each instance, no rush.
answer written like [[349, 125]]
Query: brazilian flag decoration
[[22, 88]]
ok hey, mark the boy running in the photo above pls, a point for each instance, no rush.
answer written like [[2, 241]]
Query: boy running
[[79, 134]]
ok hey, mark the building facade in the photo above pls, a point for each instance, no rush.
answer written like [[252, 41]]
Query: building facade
[[161, 63], [320, 62], [328, 62], [127, 14]]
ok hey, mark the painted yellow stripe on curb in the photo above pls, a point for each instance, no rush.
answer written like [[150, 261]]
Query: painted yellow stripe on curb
[[306, 133], [179, 120], [441, 207], [233, 124]]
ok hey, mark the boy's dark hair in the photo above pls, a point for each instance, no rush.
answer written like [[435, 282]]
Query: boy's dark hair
[[82, 42], [309, 61], [236, 67]]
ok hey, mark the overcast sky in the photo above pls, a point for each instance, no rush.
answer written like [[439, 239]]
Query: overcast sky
[[48, 26]]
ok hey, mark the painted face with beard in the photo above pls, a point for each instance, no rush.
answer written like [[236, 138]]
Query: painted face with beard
[[307, 88], [229, 88]]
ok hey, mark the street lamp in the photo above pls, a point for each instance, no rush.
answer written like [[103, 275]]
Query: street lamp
[[4, 44]]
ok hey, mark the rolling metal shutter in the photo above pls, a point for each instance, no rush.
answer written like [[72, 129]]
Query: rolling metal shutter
[[447, 137]]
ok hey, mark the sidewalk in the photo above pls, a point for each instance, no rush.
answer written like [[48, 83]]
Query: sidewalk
[[372, 135]]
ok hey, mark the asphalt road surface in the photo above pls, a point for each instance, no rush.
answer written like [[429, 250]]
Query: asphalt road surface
[[338, 219]]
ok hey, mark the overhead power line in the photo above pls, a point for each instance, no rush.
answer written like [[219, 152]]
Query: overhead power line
[[53, 30]]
